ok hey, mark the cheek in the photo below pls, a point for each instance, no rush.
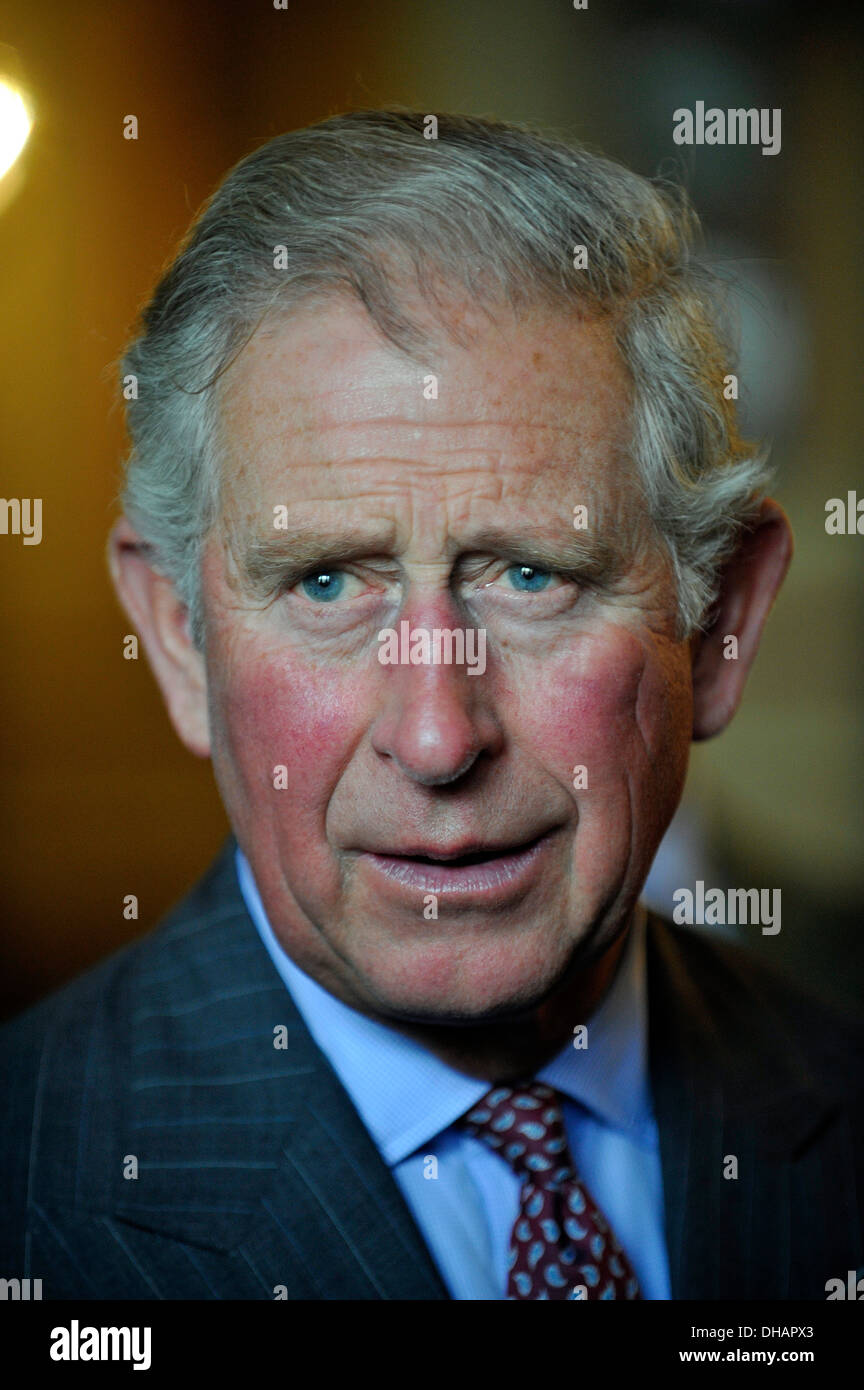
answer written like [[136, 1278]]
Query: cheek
[[271, 711], [611, 705]]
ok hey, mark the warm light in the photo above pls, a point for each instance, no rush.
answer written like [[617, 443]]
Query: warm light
[[15, 125]]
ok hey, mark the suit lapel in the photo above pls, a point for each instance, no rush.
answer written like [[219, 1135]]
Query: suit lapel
[[735, 1106], [244, 1148], [336, 1199]]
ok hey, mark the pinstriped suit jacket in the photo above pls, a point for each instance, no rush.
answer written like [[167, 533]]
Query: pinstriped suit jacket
[[256, 1175]]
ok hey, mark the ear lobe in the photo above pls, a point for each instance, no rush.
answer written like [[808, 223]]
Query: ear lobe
[[750, 582], [162, 622]]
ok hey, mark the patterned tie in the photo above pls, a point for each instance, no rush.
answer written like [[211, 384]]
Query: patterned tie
[[561, 1242]]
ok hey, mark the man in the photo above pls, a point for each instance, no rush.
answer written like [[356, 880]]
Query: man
[[437, 527]]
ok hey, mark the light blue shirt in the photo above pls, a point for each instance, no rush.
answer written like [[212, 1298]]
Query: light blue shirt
[[409, 1100]]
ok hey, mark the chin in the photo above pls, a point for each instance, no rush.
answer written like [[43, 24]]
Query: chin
[[488, 983]]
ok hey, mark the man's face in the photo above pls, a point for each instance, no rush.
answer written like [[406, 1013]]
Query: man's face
[[447, 513]]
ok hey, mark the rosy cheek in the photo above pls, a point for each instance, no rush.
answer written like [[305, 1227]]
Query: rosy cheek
[[602, 708], [284, 711]]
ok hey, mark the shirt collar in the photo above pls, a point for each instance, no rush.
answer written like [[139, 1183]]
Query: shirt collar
[[406, 1095]]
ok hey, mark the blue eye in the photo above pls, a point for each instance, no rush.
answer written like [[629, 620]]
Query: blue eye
[[528, 579], [323, 587]]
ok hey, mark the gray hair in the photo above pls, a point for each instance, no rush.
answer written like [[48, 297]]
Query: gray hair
[[361, 201]]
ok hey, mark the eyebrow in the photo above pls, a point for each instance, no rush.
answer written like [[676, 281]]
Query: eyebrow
[[288, 555], [576, 552], [266, 561]]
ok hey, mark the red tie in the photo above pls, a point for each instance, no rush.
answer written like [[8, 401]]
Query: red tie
[[562, 1246]]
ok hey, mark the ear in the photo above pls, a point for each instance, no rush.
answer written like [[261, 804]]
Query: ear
[[749, 585], [161, 620]]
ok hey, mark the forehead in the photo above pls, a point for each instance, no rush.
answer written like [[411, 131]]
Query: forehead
[[319, 408]]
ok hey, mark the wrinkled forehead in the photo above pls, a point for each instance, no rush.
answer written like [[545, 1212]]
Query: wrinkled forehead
[[321, 416]]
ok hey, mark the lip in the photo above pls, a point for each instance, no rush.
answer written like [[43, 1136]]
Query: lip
[[506, 873]]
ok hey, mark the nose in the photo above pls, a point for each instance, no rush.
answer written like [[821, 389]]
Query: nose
[[435, 719]]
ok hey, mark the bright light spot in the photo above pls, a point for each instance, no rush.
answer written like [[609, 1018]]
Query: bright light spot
[[15, 125]]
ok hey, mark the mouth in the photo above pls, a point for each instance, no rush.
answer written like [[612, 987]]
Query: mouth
[[472, 870]]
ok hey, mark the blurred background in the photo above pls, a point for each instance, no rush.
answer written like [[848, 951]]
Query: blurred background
[[99, 798]]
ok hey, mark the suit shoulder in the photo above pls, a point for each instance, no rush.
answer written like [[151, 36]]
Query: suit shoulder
[[741, 990], [52, 1040]]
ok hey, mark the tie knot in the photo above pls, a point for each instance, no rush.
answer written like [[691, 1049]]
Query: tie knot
[[525, 1124]]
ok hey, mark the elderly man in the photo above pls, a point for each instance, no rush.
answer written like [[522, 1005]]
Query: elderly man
[[411, 390]]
